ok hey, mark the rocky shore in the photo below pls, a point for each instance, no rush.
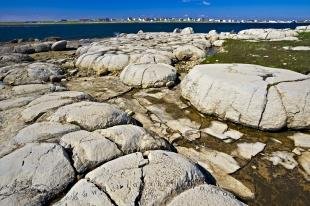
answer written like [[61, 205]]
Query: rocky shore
[[137, 119]]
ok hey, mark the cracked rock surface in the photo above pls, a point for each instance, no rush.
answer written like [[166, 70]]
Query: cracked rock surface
[[256, 96], [34, 174]]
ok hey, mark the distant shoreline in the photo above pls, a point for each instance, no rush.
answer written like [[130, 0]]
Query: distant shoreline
[[138, 22]]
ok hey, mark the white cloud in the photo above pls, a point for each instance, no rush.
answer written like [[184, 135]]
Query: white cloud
[[204, 2]]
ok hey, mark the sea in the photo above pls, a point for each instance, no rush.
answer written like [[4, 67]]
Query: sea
[[101, 30]]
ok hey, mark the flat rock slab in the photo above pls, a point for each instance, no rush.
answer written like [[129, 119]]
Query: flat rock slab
[[91, 115], [43, 131], [47, 102], [205, 195], [15, 102], [35, 73], [149, 75], [6, 59], [248, 150], [34, 174], [219, 165], [301, 140], [304, 161], [252, 95], [101, 88], [286, 159]]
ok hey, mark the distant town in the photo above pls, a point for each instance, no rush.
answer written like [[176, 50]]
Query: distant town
[[175, 20]]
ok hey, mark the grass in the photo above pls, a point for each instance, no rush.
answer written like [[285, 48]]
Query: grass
[[266, 53]]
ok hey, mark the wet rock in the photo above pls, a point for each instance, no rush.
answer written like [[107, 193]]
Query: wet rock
[[91, 115], [85, 193], [101, 88], [276, 104], [59, 46], [148, 75], [248, 150], [43, 131], [217, 130], [286, 159], [304, 161], [35, 73], [34, 174], [301, 140], [89, 149], [219, 170], [205, 195], [221, 160], [47, 102], [131, 138], [189, 52]]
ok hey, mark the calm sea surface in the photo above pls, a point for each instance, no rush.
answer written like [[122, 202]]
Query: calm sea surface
[[80, 31]]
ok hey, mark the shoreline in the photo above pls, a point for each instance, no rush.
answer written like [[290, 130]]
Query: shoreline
[[137, 22]]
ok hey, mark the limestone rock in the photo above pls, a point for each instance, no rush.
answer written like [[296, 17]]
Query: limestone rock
[[91, 115], [6, 59], [120, 178], [205, 195], [148, 75], [218, 43], [131, 138], [219, 169], [47, 102], [286, 159], [167, 174], [85, 193], [187, 30], [277, 104], [150, 59], [42, 131], [100, 88], [189, 52], [301, 140], [89, 149], [304, 161], [34, 174], [15, 102], [249, 150], [34, 73], [59, 45]]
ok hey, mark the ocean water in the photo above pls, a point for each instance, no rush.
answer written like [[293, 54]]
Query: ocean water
[[81, 31]]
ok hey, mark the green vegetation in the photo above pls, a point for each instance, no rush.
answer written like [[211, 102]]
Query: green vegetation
[[266, 53]]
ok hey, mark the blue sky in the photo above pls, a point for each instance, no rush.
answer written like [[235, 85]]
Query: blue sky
[[75, 9]]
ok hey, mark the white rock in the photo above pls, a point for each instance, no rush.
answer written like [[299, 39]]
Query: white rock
[[304, 161], [91, 115], [15, 102], [189, 52], [45, 103], [89, 149], [84, 193], [205, 195], [148, 75], [301, 140], [217, 130], [218, 43], [249, 150], [131, 138], [187, 30], [59, 46], [209, 88], [150, 59], [286, 159], [34, 174], [42, 131], [120, 178]]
